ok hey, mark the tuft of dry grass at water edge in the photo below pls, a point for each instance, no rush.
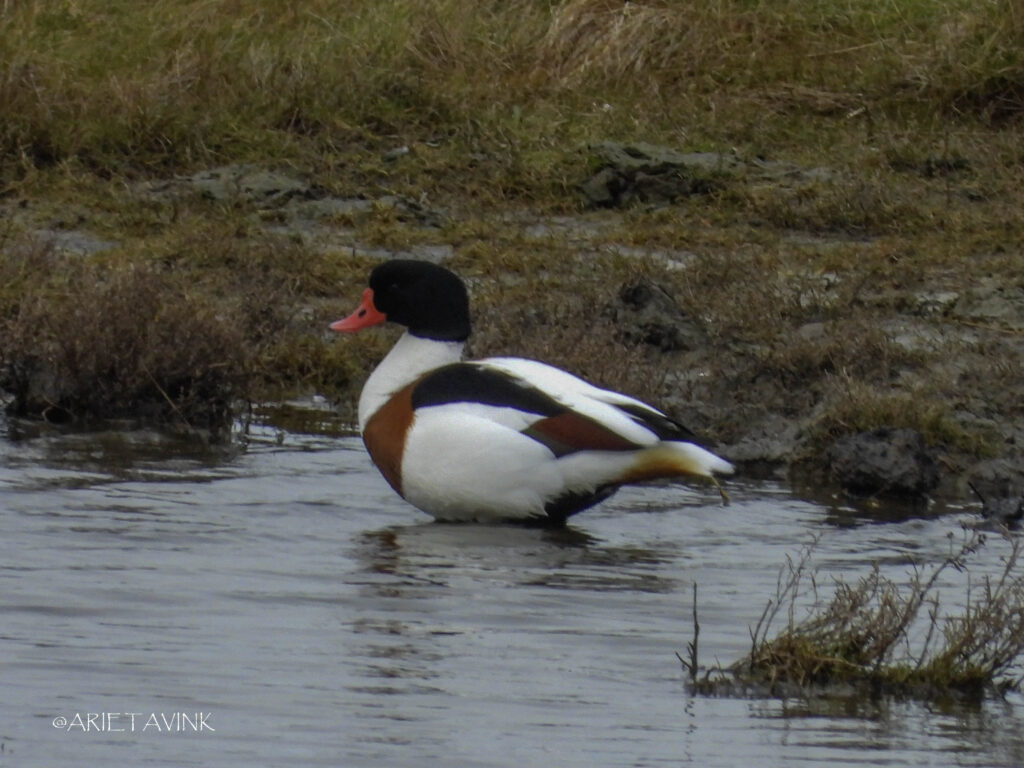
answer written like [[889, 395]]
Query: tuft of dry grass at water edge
[[883, 635]]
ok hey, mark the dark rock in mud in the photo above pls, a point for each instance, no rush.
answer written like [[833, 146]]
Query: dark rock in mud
[[884, 461], [627, 173], [646, 313], [33, 388], [648, 173], [1008, 510]]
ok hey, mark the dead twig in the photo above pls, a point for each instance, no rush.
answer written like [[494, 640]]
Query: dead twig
[[692, 665]]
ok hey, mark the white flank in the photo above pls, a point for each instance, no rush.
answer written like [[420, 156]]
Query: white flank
[[463, 466]]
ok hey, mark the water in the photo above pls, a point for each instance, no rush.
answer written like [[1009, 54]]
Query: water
[[281, 590]]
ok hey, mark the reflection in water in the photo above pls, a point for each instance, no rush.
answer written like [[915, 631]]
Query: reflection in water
[[566, 558], [845, 510], [966, 733], [280, 585]]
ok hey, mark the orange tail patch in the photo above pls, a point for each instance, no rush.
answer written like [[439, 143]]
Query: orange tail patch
[[661, 461]]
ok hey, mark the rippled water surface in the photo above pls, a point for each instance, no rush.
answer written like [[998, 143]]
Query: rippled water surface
[[283, 591]]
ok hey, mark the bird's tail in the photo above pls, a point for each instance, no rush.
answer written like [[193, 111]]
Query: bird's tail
[[671, 459]]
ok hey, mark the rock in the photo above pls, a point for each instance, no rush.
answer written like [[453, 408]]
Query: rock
[[815, 331], [884, 461], [326, 207], [646, 313], [291, 206], [626, 173], [243, 182], [603, 189], [293, 196], [931, 303], [393, 154], [991, 303], [34, 388], [649, 173], [432, 253], [247, 182], [1008, 510], [73, 242]]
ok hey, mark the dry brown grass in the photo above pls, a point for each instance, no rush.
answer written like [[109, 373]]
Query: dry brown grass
[[205, 321], [124, 342], [885, 636], [894, 635], [123, 86], [829, 56]]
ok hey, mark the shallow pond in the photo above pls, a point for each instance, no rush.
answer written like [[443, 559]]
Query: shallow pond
[[282, 592]]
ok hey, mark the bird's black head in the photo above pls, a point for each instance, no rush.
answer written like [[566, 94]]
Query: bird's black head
[[428, 299]]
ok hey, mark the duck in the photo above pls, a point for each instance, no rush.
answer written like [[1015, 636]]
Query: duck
[[500, 439]]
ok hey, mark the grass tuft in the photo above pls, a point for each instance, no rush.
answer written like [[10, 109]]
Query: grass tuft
[[887, 636], [855, 406], [125, 342], [122, 86]]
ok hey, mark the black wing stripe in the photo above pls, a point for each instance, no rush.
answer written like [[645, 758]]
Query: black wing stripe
[[469, 382], [660, 424], [466, 382]]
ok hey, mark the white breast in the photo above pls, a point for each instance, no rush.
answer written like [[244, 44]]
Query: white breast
[[409, 359]]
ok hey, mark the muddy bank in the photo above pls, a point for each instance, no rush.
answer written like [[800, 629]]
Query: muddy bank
[[785, 349]]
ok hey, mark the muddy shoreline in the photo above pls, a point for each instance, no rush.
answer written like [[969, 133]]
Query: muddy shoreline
[[952, 339]]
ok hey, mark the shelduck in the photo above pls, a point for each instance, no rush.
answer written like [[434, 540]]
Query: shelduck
[[504, 438]]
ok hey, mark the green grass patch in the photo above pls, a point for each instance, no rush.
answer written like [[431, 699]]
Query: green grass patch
[[121, 86]]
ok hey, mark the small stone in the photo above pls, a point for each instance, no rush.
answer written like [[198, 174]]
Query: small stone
[[397, 152]]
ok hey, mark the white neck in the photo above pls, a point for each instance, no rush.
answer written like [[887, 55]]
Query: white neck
[[409, 359]]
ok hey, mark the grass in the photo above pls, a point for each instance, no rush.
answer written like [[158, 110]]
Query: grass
[[576, 334], [122, 87], [177, 337], [913, 109], [853, 406], [884, 636], [125, 342]]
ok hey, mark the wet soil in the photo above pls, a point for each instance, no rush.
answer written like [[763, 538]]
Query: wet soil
[[961, 331]]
